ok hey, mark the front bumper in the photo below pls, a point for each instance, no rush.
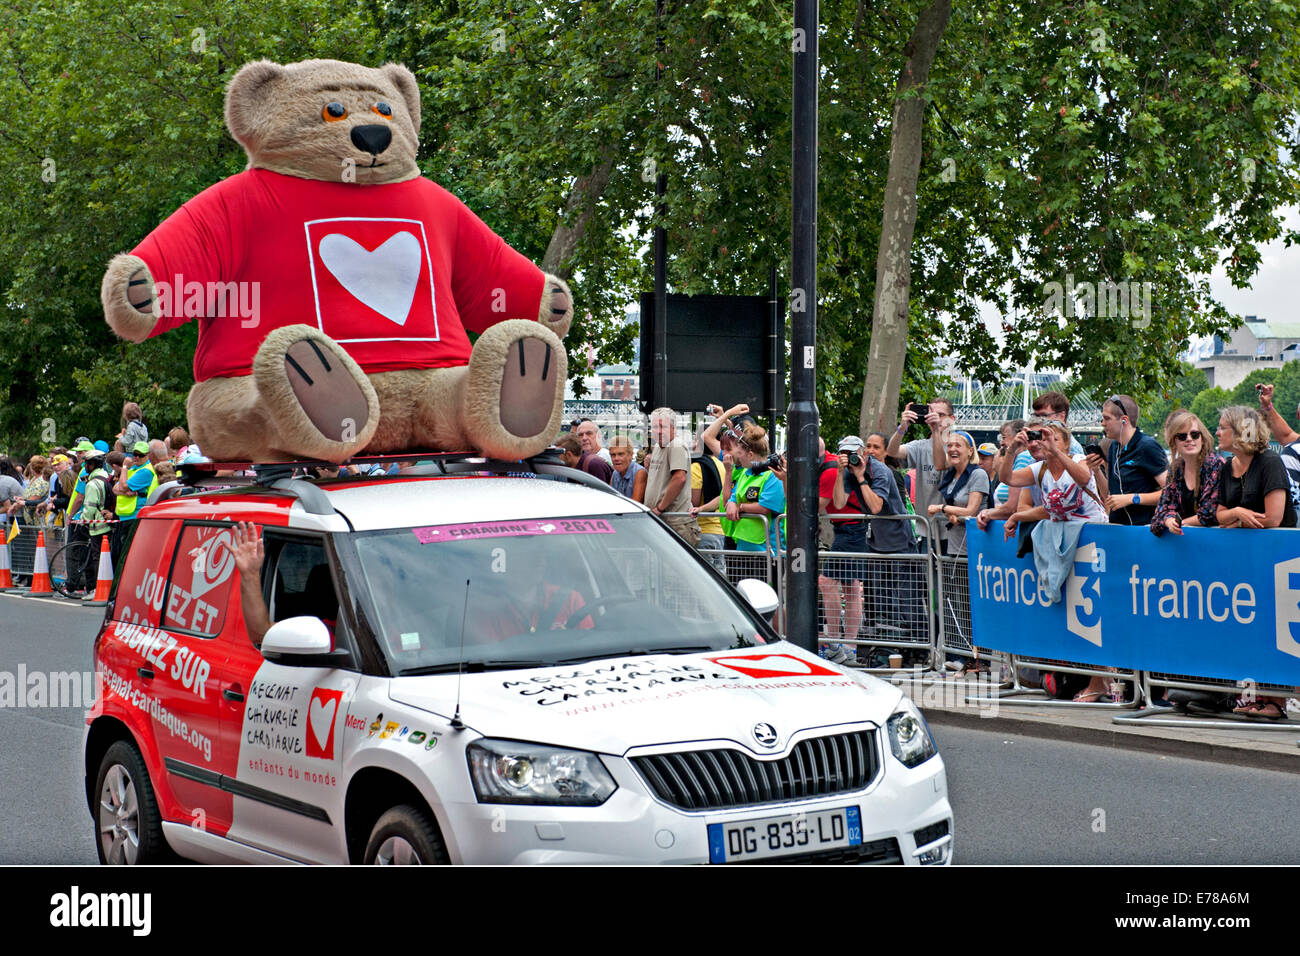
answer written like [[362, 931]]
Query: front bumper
[[634, 827]]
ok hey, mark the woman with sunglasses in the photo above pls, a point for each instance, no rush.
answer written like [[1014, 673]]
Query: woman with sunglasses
[[1191, 496]]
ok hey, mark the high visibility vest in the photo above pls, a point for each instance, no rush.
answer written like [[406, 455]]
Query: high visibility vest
[[749, 487], [128, 506]]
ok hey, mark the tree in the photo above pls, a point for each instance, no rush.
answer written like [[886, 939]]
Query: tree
[[1191, 381], [123, 108]]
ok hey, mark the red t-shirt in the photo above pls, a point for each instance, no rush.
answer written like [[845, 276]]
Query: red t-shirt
[[394, 273], [826, 488]]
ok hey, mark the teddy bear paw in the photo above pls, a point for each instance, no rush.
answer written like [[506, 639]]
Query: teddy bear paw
[[515, 392], [321, 399]]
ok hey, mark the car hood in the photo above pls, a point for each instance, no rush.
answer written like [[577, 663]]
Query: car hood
[[614, 704]]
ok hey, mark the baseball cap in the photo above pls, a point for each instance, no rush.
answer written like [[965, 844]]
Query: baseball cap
[[101, 445], [988, 448], [59, 458], [140, 448], [850, 443], [83, 445]]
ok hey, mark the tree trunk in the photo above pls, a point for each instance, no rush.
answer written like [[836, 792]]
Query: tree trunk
[[889, 317], [581, 201]]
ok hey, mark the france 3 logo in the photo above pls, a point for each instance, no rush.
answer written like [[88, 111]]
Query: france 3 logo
[[1083, 593]]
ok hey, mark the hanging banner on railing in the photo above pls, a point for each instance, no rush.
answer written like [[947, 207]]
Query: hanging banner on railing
[[1214, 602]]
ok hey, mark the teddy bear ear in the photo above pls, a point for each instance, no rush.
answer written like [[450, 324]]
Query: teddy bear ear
[[245, 99], [404, 80]]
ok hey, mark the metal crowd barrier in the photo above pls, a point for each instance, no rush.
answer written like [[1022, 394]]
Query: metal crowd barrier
[[739, 565], [956, 637], [875, 599], [22, 549], [1166, 716]]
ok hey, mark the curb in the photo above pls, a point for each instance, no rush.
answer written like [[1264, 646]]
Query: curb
[[1113, 736]]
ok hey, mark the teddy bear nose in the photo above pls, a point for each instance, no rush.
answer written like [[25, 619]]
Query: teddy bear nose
[[373, 139]]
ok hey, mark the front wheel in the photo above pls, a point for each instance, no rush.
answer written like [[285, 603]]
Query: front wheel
[[128, 825], [405, 836]]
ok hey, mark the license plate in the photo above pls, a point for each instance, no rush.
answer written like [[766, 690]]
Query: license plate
[[785, 835]]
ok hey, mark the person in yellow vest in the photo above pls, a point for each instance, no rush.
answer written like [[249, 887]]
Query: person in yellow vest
[[138, 480]]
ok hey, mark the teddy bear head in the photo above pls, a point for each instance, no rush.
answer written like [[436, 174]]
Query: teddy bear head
[[327, 120]]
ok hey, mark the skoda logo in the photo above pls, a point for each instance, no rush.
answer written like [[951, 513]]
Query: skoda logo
[[765, 734]]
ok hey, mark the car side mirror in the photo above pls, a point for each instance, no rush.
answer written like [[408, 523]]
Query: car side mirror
[[759, 594], [298, 635]]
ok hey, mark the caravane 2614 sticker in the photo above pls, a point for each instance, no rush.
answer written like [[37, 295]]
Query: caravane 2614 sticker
[[512, 529]]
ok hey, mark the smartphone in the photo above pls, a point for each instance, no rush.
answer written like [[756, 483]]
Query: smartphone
[[921, 410], [1093, 450]]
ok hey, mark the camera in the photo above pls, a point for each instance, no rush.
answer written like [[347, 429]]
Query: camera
[[1259, 386], [1034, 434], [855, 459], [771, 461], [921, 410]]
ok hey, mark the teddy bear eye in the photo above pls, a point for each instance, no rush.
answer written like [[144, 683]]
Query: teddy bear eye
[[383, 109], [333, 112]]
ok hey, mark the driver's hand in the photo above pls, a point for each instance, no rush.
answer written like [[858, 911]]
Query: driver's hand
[[249, 551]]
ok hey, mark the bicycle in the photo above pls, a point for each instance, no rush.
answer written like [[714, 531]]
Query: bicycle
[[72, 555]]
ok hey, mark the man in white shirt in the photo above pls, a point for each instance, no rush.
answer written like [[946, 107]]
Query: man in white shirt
[[589, 435]]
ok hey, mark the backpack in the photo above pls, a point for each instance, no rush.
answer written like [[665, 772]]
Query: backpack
[[710, 477], [109, 507]]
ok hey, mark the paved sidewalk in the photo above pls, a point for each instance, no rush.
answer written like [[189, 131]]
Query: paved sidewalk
[[944, 702]]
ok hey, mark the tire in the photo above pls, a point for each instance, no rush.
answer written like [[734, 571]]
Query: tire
[[405, 835], [127, 836], [65, 563]]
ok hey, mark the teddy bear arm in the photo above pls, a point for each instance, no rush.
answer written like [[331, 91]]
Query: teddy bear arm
[[556, 310], [127, 293]]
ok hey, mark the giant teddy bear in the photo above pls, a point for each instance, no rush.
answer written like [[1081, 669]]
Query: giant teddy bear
[[334, 286]]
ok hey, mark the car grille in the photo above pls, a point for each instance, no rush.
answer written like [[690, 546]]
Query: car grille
[[719, 779]]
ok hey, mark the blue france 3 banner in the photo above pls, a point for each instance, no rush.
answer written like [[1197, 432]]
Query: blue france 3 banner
[[1219, 603]]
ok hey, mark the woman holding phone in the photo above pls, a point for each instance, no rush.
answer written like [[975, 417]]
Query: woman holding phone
[[1191, 497]]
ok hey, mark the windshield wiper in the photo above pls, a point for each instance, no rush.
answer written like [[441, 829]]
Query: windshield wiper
[[472, 667], [638, 652]]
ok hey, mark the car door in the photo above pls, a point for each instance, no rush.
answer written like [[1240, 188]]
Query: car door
[[288, 785], [181, 670]]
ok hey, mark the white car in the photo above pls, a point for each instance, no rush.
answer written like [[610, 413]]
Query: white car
[[479, 668]]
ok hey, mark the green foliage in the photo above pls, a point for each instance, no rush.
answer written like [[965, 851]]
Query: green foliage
[[1208, 403], [1118, 142], [114, 114], [1191, 381]]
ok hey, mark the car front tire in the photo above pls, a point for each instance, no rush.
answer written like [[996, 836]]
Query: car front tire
[[405, 836], [128, 825]]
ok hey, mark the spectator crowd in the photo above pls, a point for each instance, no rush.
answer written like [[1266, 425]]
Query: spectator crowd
[[724, 491]]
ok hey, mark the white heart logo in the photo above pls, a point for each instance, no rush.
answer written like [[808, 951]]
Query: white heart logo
[[384, 279], [320, 716]]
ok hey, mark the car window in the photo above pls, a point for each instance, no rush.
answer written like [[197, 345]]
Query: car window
[[301, 584], [543, 592], [142, 584], [202, 575]]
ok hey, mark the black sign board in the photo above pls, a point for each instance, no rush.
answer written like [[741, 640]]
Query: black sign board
[[721, 348]]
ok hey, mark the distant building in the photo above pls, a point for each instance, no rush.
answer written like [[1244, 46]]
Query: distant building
[[1257, 344]]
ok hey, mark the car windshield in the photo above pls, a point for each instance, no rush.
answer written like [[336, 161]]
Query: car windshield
[[534, 592]]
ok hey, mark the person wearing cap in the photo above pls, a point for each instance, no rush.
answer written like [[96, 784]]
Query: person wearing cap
[[138, 480], [986, 456], [891, 594], [57, 501], [841, 578], [1136, 466], [94, 514]]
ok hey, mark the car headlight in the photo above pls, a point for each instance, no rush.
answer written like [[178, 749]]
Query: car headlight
[[909, 736], [507, 771]]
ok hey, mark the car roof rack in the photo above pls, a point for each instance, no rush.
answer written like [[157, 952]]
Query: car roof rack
[[280, 476]]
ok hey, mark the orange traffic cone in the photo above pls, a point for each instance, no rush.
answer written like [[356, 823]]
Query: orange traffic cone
[[40, 571], [104, 581], [6, 577]]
